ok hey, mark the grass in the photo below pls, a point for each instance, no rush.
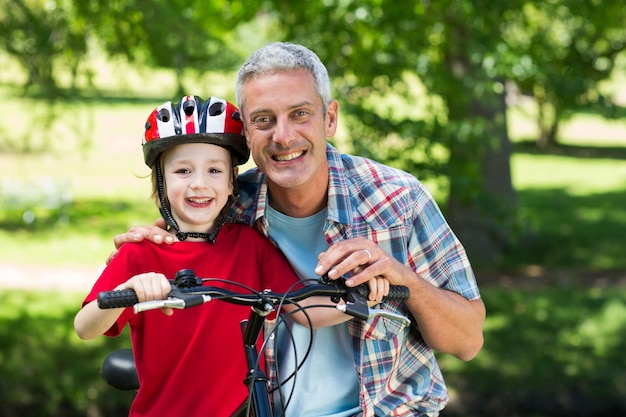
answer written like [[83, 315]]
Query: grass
[[548, 352], [573, 208], [46, 369], [85, 241], [554, 351]]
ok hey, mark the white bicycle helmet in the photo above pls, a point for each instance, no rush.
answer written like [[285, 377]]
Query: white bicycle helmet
[[193, 120]]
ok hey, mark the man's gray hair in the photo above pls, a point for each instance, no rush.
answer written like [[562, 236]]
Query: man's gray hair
[[283, 56]]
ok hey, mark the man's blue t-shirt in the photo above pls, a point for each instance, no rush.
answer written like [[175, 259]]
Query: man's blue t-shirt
[[327, 383]]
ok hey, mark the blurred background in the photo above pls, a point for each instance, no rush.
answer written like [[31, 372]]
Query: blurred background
[[512, 112]]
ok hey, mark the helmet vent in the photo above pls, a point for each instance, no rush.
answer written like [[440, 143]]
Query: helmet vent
[[188, 107], [164, 115], [217, 108], [236, 115]]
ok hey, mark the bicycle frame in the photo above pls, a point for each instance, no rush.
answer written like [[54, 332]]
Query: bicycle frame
[[256, 380], [187, 291]]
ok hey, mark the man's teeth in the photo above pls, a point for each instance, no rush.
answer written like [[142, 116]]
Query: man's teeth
[[288, 157]]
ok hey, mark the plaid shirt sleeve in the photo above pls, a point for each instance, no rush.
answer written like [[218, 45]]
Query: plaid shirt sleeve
[[399, 373]]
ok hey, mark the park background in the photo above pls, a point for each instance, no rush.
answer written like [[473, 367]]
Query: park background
[[513, 113]]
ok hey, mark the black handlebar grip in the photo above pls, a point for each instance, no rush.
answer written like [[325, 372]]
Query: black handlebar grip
[[396, 292], [116, 299]]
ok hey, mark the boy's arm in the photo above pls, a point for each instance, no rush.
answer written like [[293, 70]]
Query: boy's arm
[[326, 313], [92, 321]]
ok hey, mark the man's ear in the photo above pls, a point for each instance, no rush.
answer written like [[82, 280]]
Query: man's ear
[[332, 114]]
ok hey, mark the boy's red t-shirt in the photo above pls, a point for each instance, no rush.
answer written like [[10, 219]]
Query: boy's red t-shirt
[[192, 363]]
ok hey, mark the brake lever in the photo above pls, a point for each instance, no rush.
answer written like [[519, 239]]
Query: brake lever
[[176, 299], [354, 305]]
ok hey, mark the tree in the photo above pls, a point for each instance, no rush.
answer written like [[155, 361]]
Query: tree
[[37, 33], [464, 52], [452, 46], [565, 49], [193, 35], [190, 35]]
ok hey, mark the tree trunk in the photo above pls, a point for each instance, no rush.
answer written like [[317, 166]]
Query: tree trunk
[[484, 223]]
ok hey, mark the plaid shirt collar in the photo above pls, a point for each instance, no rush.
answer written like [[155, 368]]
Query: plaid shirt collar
[[251, 208]]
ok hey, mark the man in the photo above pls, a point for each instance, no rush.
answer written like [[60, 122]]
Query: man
[[363, 219]]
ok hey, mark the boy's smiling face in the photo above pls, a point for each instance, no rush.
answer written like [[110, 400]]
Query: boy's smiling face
[[198, 180]]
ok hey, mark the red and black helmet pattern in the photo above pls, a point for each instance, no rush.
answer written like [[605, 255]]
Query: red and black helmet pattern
[[193, 120]]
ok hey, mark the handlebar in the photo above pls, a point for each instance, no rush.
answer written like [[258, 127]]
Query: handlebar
[[188, 291]]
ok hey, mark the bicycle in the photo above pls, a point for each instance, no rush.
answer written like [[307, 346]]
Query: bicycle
[[118, 368]]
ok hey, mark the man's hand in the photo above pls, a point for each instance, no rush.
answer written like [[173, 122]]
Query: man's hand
[[155, 233], [364, 259], [448, 322]]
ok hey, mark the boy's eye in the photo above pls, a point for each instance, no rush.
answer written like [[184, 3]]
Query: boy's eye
[[183, 171]]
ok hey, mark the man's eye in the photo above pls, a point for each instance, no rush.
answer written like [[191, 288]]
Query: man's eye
[[261, 120], [301, 114]]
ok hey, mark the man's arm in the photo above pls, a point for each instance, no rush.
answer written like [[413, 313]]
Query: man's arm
[[155, 233], [448, 322]]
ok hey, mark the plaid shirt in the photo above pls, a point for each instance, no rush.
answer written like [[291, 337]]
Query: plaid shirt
[[398, 372]]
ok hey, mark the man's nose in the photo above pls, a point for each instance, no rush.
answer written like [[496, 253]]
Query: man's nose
[[284, 133]]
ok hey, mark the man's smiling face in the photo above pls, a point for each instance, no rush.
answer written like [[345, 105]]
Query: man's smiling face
[[286, 129]]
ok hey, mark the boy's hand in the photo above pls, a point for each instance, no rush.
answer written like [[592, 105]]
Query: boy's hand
[[149, 286], [379, 288]]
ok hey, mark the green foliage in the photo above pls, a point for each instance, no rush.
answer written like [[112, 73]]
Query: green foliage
[[39, 33], [564, 49], [171, 34], [556, 352], [46, 369], [54, 36]]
